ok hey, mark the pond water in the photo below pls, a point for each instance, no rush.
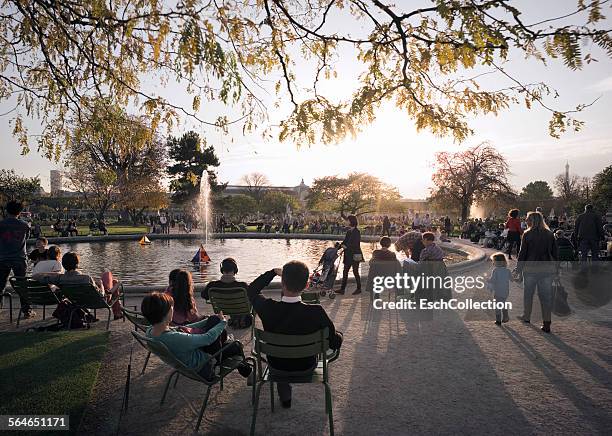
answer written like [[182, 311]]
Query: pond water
[[134, 264]]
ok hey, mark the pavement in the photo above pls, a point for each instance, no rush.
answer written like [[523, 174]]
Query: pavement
[[399, 372]]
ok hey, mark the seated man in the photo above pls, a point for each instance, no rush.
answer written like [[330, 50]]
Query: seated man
[[40, 252], [290, 316], [72, 276], [384, 253], [431, 250], [229, 269]]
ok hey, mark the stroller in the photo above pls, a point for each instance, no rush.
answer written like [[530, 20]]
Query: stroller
[[323, 277]]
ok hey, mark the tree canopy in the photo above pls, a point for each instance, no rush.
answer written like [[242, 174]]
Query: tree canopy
[[537, 190], [58, 57], [116, 159], [356, 194], [190, 158], [275, 203], [16, 187], [602, 189], [474, 175]]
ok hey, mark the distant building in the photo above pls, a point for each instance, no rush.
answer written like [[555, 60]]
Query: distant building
[[300, 191], [57, 182]]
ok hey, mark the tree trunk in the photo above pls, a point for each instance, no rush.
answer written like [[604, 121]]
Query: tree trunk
[[465, 209]]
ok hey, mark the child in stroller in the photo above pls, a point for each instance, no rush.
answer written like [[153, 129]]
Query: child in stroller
[[324, 275]]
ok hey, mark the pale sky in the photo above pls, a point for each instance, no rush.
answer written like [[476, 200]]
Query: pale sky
[[392, 150]]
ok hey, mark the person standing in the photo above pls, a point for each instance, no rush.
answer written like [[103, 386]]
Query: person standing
[[537, 262], [352, 255], [589, 231], [163, 222], [386, 226], [447, 226], [13, 255], [513, 224]]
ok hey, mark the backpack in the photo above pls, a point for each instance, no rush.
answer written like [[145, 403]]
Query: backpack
[[79, 316]]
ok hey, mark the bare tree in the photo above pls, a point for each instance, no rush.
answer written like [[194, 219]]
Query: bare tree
[[469, 176], [255, 183], [570, 187]]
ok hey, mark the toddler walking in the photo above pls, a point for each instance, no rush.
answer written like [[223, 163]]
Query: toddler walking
[[499, 285]]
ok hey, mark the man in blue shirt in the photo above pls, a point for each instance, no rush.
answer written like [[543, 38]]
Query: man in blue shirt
[[13, 256]]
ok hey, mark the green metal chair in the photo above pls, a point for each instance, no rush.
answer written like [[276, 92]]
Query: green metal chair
[[140, 323], [232, 302], [566, 254], [7, 294], [34, 293], [86, 296], [294, 347], [225, 367], [311, 297]]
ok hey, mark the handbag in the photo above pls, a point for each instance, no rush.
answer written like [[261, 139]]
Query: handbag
[[560, 304]]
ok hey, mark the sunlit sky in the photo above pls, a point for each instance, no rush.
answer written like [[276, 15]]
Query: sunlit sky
[[391, 148]]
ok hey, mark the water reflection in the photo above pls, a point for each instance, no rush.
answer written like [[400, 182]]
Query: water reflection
[[137, 264]]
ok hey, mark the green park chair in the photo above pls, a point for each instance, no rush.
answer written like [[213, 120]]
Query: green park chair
[[7, 294], [140, 323], [86, 296], [34, 293], [222, 369], [293, 347], [311, 297], [382, 268], [566, 254], [232, 302]]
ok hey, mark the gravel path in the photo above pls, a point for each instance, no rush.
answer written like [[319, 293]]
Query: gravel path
[[397, 374]]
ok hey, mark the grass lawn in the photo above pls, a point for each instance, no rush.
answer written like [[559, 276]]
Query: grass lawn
[[49, 373], [112, 230]]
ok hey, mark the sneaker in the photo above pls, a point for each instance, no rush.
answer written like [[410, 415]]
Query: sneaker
[[339, 292], [498, 322], [506, 319]]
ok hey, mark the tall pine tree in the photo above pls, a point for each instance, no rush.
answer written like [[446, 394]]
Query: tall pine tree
[[189, 159]]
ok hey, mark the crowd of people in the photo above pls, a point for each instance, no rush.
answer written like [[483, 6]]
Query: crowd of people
[[194, 338]]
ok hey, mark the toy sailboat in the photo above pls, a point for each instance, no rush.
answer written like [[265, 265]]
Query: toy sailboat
[[201, 256], [144, 240]]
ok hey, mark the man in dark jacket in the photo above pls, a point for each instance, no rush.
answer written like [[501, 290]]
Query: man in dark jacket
[[290, 316], [13, 256], [589, 231], [229, 269]]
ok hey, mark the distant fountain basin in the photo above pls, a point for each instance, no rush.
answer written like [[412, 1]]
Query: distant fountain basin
[[148, 266]]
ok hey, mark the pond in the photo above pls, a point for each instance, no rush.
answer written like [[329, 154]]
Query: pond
[[134, 264]]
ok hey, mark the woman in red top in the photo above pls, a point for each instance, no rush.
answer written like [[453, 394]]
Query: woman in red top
[[513, 224]]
